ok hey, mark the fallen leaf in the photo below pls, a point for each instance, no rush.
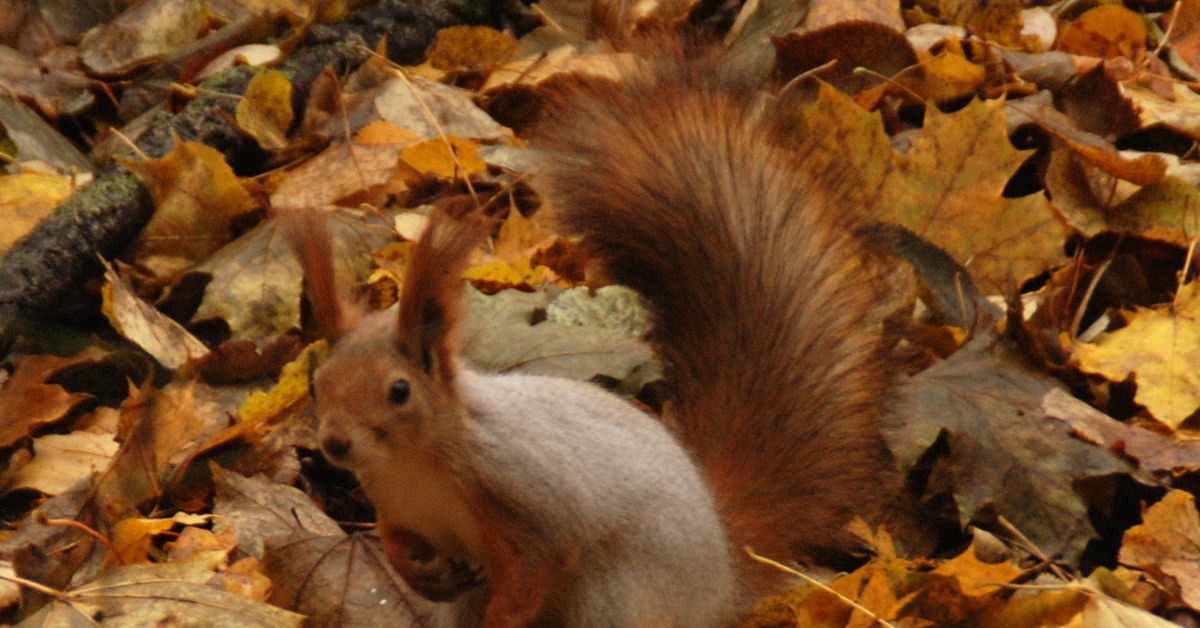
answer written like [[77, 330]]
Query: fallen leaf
[[1106, 31], [196, 196], [346, 175], [265, 111], [448, 158], [27, 198], [977, 578], [59, 460], [158, 595], [497, 333], [344, 581], [255, 285], [1180, 112], [466, 47], [1167, 544], [27, 402], [384, 132], [142, 34], [954, 173], [1003, 453], [1160, 348], [262, 514], [433, 110], [146, 327], [156, 433], [1154, 452]]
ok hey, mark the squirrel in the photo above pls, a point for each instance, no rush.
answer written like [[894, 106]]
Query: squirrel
[[537, 501]]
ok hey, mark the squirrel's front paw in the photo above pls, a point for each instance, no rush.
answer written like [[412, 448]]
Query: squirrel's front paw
[[443, 579], [432, 575]]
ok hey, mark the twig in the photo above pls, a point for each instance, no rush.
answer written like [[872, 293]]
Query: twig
[[820, 585]]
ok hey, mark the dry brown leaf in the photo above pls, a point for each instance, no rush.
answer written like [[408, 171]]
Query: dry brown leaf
[[59, 460], [520, 238], [246, 578], [1004, 457], [1143, 169], [255, 282], [27, 402], [54, 92], [1091, 201], [159, 595], [146, 327], [249, 54], [344, 581], [132, 539], [518, 91], [156, 432], [826, 13], [346, 175], [950, 75], [432, 110], [883, 50], [1153, 451], [1181, 111], [143, 34], [261, 514], [1167, 544], [197, 196], [200, 545], [1182, 25]]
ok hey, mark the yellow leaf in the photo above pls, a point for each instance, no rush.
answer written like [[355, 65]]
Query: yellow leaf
[[384, 132], [197, 196], [1107, 31], [975, 577], [517, 273], [27, 198], [1160, 347], [953, 174], [265, 112], [291, 389], [452, 157], [469, 47], [132, 538]]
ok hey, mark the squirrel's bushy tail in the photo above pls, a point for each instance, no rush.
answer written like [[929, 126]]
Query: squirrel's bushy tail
[[676, 179]]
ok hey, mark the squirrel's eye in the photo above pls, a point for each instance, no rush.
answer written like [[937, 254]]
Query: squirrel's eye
[[398, 393]]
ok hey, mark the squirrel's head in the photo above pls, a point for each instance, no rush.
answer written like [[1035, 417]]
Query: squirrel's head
[[378, 398], [389, 384]]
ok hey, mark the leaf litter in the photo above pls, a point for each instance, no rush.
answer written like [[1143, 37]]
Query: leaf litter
[[1045, 153]]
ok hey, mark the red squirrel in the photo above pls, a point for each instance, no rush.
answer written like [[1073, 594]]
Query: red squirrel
[[538, 501]]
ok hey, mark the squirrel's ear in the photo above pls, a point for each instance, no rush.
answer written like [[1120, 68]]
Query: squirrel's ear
[[307, 232], [433, 287]]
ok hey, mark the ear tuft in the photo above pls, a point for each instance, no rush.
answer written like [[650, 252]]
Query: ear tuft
[[433, 287], [307, 233]]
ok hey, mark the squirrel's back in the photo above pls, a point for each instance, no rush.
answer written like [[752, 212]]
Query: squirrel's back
[[656, 553], [678, 180]]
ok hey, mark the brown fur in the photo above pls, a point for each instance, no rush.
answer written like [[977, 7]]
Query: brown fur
[[307, 233], [432, 289], [677, 180]]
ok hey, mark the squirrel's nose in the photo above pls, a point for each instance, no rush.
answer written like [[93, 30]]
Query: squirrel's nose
[[335, 447]]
